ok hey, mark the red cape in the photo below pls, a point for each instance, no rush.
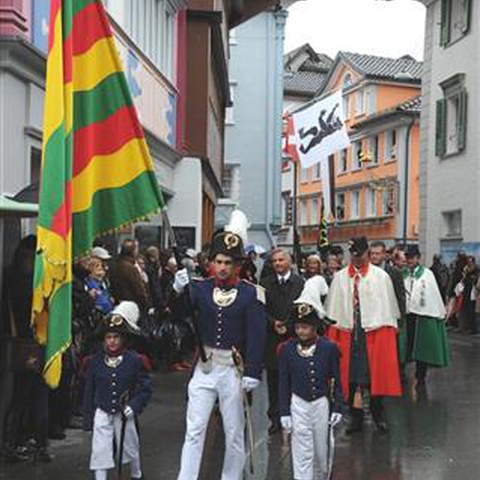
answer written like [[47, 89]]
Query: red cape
[[382, 359]]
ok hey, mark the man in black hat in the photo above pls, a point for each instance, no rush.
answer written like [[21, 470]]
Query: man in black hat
[[117, 388], [362, 302], [378, 257], [426, 334], [309, 380], [231, 317]]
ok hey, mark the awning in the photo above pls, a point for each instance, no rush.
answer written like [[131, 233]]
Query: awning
[[20, 209]]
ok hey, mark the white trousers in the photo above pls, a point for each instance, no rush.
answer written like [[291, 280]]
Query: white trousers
[[309, 437], [223, 383], [105, 427]]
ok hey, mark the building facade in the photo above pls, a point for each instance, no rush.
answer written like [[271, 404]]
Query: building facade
[[304, 73], [450, 174], [376, 179], [253, 126]]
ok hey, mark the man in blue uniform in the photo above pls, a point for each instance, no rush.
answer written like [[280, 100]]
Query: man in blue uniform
[[309, 378], [231, 316], [117, 388]]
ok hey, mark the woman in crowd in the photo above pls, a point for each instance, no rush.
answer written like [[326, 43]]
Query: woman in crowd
[[313, 266]]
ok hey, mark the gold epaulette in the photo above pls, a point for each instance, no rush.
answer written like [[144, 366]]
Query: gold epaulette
[[261, 296]]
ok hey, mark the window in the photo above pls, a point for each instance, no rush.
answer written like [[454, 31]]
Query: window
[[346, 106], [152, 25], [317, 171], [35, 165], [373, 150], [370, 100], [231, 182], [388, 201], [347, 81], [371, 202], [360, 102], [355, 205], [342, 161], [304, 174], [453, 223], [314, 212], [454, 20], [451, 121], [357, 156], [390, 145], [168, 43], [303, 212], [229, 111], [340, 206]]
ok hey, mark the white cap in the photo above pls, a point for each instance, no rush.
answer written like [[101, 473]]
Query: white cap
[[239, 225], [129, 312], [101, 253], [313, 290], [191, 253]]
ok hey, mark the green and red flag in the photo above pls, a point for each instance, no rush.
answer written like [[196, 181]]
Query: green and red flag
[[97, 173]]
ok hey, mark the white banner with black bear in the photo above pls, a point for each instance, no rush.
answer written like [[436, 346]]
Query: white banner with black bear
[[320, 130]]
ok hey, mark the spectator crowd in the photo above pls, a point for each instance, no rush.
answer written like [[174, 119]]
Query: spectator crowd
[[101, 281]]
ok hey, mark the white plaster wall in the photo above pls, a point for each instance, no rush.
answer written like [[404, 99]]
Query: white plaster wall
[[185, 208], [452, 183]]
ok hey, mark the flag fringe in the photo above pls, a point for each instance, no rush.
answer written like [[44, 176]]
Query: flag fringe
[[52, 371], [112, 231]]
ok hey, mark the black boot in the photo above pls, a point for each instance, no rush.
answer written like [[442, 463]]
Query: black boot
[[43, 455], [376, 409], [356, 421]]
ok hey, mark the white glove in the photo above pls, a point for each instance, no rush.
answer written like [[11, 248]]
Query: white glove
[[286, 423], [335, 419], [181, 280], [249, 383], [128, 412]]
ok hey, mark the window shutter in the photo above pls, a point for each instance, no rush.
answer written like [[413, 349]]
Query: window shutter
[[462, 120], [445, 22], [440, 131], [467, 13]]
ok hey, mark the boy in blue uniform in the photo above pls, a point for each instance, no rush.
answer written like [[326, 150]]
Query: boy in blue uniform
[[231, 316], [117, 389], [309, 376]]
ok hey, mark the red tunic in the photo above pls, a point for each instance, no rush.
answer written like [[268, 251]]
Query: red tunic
[[382, 360]]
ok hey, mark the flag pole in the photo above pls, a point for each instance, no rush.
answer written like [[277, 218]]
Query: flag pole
[[296, 245]]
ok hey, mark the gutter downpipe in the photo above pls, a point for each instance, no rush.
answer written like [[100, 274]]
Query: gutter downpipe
[[407, 181]]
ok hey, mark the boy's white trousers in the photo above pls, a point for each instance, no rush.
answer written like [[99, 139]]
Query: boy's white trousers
[[105, 428], [309, 437]]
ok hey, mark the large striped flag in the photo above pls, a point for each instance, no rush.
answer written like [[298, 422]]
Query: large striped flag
[[97, 173]]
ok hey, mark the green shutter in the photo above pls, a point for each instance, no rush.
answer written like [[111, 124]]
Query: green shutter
[[441, 128], [445, 22], [462, 120], [467, 14]]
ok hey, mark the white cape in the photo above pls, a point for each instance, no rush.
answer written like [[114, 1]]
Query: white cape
[[378, 304], [423, 296]]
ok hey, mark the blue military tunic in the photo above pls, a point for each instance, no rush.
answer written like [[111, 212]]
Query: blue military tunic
[[309, 377], [111, 389], [240, 322]]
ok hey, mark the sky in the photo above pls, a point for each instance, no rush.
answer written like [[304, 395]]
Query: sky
[[375, 27]]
